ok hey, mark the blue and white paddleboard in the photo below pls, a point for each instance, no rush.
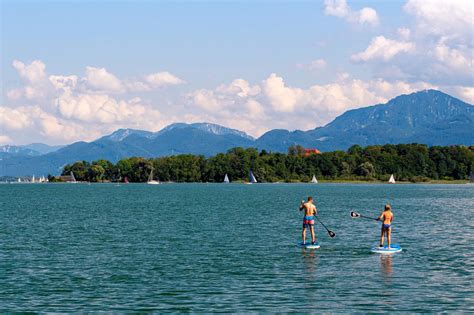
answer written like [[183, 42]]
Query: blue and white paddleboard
[[308, 245], [386, 250]]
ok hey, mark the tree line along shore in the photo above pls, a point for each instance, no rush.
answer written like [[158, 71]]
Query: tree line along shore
[[408, 162]]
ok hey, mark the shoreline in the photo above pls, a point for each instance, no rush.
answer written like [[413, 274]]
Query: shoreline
[[374, 182]]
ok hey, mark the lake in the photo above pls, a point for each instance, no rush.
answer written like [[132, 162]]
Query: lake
[[232, 248]]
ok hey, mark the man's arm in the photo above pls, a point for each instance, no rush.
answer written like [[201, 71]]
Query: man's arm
[[380, 218], [302, 205]]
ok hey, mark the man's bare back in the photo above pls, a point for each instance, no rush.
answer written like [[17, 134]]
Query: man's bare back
[[309, 208]]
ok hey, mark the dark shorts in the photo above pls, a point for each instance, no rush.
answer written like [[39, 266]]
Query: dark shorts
[[385, 226], [308, 221]]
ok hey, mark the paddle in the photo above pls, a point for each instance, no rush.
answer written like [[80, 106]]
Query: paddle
[[330, 233], [358, 215]]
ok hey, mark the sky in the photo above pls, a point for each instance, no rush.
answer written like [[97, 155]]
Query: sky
[[77, 70]]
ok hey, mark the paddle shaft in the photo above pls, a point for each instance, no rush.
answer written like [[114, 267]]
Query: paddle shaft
[[321, 223], [363, 216]]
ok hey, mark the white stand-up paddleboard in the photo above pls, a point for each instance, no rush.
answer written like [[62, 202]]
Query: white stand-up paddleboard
[[309, 245], [386, 250]]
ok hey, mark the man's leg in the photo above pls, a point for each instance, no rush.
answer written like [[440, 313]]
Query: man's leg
[[389, 232], [313, 239], [381, 237], [304, 234]]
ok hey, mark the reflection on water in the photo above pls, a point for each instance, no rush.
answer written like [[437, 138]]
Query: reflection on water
[[386, 267], [309, 265]]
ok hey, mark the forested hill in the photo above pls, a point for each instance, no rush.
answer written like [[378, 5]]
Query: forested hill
[[408, 162]]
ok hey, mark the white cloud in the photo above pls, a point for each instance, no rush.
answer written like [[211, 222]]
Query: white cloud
[[13, 119], [443, 18], [240, 88], [367, 16], [34, 72], [466, 93], [33, 76], [339, 8], [205, 99], [436, 45], [281, 97], [459, 60], [99, 79], [160, 79], [383, 48], [63, 108]]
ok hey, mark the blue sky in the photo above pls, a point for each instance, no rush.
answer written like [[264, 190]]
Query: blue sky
[[75, 70]]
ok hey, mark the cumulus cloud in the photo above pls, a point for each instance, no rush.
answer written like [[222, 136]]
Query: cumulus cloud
[[443, 18], [99, 79], [281, 97], [33, 76], [339, 8], [383, 48], [437, 46], [62, 108], [13, 119]]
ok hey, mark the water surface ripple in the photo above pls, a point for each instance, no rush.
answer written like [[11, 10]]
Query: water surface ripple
[[215, 247]]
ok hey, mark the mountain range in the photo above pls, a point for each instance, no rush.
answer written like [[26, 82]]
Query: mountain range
[[430, 117]]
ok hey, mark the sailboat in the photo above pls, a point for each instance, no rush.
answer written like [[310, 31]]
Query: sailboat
[[151, 181], [72, 179], [391, 180], [226, 179], [252, 179], [19, 180], [33, 180], [314, 180]]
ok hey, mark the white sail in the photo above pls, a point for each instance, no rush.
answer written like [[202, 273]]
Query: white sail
[[33, 179], [392, 179], [252, 178], [226, 179], [151, 181], [19, 179], [314, 180], [72, 178]]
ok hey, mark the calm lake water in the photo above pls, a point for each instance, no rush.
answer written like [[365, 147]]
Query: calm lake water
[[229, 248]]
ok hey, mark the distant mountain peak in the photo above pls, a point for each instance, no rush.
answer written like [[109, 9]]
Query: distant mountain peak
[[123, 133], [209, 128]]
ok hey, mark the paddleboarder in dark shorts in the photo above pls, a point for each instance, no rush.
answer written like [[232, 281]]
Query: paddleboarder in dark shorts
[[386, 217], [308, 219]]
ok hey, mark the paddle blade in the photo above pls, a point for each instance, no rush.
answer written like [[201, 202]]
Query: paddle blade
[[355, 214], [331, 234]]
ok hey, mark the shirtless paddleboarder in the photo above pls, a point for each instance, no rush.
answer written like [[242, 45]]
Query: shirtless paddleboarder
[[386, 217], [308, 219]]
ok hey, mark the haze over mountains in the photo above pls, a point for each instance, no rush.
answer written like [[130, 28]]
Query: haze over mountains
[[430, 117]]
